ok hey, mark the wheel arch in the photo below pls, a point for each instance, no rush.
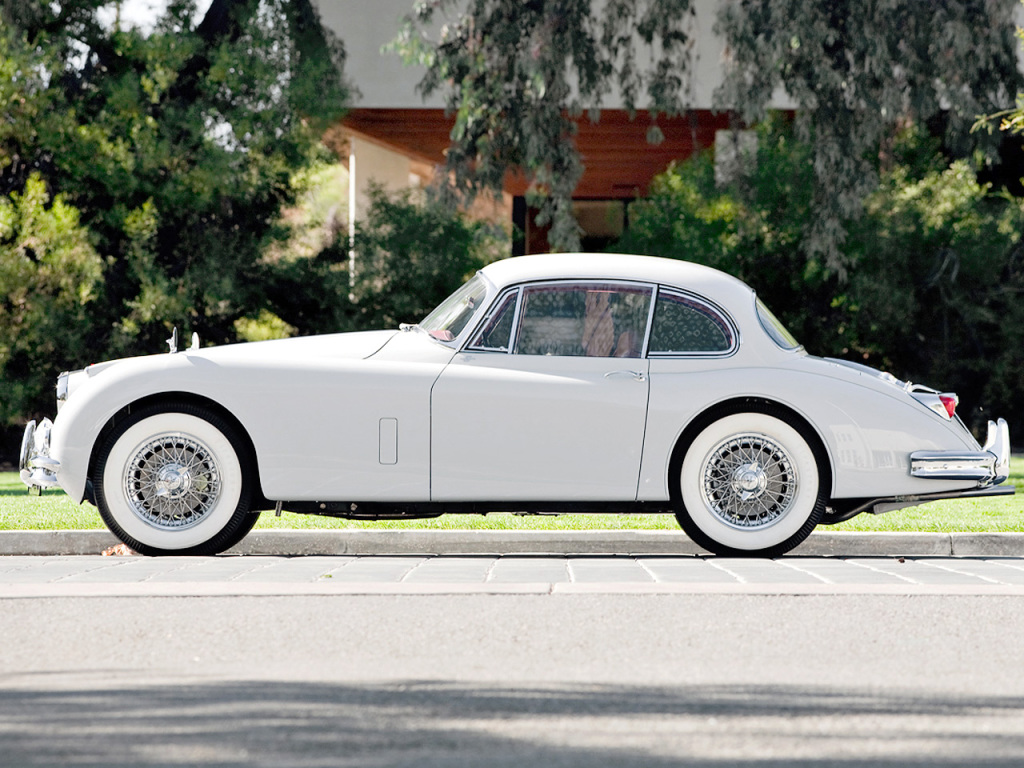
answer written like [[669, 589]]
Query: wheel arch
[[750, 405], [247, 451]]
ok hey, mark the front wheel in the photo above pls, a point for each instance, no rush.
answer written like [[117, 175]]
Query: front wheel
[[750, 484], [170, 480]]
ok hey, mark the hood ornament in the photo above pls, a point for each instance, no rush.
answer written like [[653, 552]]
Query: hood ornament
[[172, 342]]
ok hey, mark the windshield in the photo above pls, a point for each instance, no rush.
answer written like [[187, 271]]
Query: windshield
[[453, 314], [775, 328]]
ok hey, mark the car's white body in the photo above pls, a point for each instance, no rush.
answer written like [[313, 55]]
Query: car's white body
[[398, 416]]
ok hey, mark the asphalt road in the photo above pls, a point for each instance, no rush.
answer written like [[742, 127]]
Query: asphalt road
[[504, 661]]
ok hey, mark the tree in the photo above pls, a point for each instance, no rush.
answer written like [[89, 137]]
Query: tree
[[515, 73], [49, 275], [860, 70], [176, 144], [1010, 120]]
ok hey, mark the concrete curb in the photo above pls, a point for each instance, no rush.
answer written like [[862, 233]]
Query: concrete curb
[[434, 542]]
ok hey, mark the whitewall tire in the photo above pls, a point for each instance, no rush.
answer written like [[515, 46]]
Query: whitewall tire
[[750, 484], [171, 480]]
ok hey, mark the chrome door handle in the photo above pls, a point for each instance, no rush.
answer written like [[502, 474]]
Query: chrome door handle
[[638, 375]]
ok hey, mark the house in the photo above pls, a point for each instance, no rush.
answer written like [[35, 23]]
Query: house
[[397, 139]]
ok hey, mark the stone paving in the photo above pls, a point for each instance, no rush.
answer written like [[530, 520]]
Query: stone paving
[[40, 576]]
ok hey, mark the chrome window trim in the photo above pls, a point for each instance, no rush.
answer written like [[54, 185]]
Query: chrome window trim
[[651, 288], [758, 305], [495, 304], [644, 349], [724, 316], [513, 336]]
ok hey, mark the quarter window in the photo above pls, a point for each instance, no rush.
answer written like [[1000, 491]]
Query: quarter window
[[497, 328], [685, 325], [583, 319]]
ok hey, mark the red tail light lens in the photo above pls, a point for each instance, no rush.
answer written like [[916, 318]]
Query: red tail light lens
[[949, 402]]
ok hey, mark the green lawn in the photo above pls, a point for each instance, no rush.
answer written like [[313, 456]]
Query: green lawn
[[54, 511]]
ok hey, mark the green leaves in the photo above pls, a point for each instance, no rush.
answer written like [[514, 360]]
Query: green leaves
[[857, 71], [49, 275], [412, 252]]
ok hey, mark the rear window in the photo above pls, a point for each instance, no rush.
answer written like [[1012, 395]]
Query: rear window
[[774, 328], [685, 325]]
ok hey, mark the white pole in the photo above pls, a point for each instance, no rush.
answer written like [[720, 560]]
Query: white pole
[[352, 226]]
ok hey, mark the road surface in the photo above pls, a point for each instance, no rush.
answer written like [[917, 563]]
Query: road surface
[[506, 661]]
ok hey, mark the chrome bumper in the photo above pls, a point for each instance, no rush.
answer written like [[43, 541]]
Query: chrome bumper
[[36, 467], [989, 466]]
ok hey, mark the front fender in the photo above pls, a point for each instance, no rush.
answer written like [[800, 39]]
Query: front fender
[[109, 389]]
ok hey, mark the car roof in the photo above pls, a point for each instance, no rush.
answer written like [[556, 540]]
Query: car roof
[[709, 282]]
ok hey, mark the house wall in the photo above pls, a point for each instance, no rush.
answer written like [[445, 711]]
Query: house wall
[[384, 81]]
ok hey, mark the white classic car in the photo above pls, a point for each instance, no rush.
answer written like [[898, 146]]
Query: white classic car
[[580, 382]]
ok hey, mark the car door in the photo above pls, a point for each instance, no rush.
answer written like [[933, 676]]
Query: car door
[[548, 401]]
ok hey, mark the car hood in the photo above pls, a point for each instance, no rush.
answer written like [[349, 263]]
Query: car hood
[[354, 346], [350, 346]]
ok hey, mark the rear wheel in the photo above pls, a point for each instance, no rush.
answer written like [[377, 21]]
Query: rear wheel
[[170, 480], [750, 484]]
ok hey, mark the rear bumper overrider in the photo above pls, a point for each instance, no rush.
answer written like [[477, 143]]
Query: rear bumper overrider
[[989, 466], [35, 465]]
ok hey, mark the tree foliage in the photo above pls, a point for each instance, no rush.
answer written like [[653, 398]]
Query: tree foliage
[[857, 71], [1010, 120], [515, 73], [49, 275], [411, 254]]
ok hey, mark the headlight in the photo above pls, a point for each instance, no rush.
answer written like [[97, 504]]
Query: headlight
[[67, 383]]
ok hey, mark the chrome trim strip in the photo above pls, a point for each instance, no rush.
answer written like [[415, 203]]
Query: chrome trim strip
[[948, 465], [36, 468], [997, 442], [645, 348], [989, 466]]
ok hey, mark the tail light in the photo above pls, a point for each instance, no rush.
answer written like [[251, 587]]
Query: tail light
[[949, 402], [943, 403]]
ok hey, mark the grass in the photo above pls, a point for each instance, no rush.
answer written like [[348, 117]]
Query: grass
[[54, 511]]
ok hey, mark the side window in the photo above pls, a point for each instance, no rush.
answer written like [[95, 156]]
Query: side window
[[497, 328], [686, 325], [583, 319]]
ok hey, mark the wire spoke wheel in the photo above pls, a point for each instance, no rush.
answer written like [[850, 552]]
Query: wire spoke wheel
[[751, 484], [172, 482], [170, 479], [749, 481]]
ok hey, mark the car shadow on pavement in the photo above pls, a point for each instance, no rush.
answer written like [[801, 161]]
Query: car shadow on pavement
[[89, 722]]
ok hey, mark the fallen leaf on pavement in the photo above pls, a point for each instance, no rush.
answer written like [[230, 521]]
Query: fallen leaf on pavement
[[118, 551]]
